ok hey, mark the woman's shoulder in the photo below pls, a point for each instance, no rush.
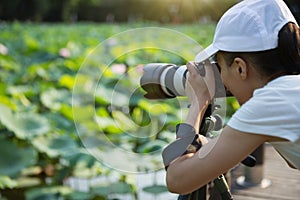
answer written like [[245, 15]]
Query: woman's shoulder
[[273, 110], [283, 90], [281, 84]]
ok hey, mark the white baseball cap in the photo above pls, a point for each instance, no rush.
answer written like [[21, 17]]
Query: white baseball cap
[[251, 25]]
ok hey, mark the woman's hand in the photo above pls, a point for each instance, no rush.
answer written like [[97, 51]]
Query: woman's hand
[[200, 90]]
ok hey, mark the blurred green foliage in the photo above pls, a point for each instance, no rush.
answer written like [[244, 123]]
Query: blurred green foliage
[[39, 68]]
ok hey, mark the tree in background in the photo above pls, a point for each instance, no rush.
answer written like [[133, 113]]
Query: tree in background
[[168, 11], [46, 10]]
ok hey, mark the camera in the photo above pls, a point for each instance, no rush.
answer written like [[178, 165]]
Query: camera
[[163, 80]]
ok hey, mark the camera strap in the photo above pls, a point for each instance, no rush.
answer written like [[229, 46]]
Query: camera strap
[[187, 142]]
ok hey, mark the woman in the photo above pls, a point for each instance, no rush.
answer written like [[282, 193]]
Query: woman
[[256, 44]]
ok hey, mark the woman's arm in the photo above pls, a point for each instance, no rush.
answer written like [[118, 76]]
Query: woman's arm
[[191, 171]]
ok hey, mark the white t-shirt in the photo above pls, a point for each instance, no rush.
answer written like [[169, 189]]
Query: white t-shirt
[[274, 110]]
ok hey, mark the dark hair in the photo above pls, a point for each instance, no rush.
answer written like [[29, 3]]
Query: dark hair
[[289, 48], [285, 59]]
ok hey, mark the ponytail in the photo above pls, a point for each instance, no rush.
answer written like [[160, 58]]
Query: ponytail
[[289, 48]]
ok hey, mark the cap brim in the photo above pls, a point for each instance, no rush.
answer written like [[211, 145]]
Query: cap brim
[[206, 53]]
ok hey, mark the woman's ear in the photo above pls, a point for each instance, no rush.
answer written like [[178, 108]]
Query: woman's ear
[[241, 67]]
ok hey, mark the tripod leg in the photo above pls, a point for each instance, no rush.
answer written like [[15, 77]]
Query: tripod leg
[[222, 187], [200, 194]]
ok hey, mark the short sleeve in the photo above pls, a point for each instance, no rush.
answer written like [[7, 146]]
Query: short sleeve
[[269, 112]]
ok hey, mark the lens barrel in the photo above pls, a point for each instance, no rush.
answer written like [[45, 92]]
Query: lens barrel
[[161, 80]]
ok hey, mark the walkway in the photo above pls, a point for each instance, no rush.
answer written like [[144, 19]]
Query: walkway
[[285, 181]]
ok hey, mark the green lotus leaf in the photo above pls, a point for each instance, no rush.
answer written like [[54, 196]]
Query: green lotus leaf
[[28, 125], [6, 115], [54, 99], [3, 87], [77, 195], [123, 121], [81, 156], [25, 182], [55, 146], [67, 81], [24, 125], [155, 189], [14, 158], [48, 193], [20, 89], [108, 124], [102, 190], [60, 123], [121, 188], [155, 109], [111, 188], [6, 182], [152, 146], [81, 170], [105, 95], [83, 113], [7, 101]]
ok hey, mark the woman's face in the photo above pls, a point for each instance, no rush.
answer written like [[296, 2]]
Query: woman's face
[[225, 72], [232, 80]]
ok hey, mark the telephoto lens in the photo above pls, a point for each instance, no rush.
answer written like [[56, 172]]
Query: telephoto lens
[[162, 80]]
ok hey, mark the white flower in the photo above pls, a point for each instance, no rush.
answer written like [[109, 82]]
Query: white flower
[[3, 49], [118, 68], [64, 52]]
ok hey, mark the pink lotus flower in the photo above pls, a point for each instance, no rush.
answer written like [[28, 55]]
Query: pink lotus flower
[[3, 49], [64, 52], [140, 68], [118, 68]]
